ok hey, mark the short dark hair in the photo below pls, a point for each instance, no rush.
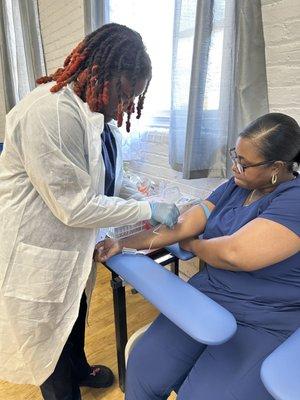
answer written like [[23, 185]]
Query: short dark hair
[[110, 51], [277, 137]]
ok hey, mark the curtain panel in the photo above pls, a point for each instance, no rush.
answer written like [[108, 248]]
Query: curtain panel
[[22, 58], [96, 14], [219, 82]]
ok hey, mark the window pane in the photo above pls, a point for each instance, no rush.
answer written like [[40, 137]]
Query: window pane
[[213, 80], [154, 21]]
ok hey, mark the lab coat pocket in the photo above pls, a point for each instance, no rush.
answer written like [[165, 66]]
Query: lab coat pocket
[[40, 274]]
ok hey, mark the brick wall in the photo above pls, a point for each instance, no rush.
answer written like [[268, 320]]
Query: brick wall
[[282, 37], [152, 161], [62, 27]]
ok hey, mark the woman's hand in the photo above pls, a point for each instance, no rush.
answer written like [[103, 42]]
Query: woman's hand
[[187, 244], [106, 249]]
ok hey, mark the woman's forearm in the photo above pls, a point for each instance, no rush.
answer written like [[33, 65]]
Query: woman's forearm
[[162, 237], [190, 224]]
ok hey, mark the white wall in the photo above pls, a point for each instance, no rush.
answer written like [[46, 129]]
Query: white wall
[[62, 28], [282, 37]]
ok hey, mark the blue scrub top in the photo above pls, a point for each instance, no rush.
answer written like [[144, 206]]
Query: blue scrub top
[[268, 298], [109, 155]]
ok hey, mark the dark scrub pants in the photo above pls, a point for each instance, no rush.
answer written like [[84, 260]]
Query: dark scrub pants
[[72, 365], [167, 359]]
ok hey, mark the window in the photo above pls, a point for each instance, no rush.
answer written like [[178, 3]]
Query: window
[[154, 21]]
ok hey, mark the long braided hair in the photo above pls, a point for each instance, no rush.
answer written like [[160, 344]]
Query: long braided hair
[[111, 51]]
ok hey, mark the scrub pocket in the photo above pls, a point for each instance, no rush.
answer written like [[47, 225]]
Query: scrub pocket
[[39, 274]]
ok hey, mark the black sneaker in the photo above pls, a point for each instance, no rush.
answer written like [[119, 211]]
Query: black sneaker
[[100, 377]]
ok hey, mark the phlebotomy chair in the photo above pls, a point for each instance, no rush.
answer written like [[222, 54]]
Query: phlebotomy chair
[[183, 255], [280, 371], [192, 311], [203, 319]]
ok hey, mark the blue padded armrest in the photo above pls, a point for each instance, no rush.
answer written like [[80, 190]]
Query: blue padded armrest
[[176, 251], [195, 313], [280, 371]]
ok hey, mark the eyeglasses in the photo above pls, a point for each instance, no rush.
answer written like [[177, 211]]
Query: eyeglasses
[[241, 167]]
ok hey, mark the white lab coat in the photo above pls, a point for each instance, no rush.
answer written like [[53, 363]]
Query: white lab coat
[[51, 206]]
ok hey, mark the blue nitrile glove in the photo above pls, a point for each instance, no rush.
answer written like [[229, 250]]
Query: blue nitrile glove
[[164, 213]]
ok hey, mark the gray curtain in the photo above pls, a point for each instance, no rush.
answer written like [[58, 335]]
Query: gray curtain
[[9, 98], [219, 82], [96, 14], [21, 54], [32, 40]]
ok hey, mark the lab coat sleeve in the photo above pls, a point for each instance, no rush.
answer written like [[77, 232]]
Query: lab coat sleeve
[[53, 153]]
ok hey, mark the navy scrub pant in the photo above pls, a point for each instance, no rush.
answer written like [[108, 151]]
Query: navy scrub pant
[[72, 365], [167, 359]]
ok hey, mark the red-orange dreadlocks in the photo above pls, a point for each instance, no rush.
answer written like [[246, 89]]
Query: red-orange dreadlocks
[[111, 51]]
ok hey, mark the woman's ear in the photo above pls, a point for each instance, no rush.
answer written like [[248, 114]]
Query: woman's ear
[[278, 166]]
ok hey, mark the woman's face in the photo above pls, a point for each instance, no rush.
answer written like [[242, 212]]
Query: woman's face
[[127, 97], [256, 177]]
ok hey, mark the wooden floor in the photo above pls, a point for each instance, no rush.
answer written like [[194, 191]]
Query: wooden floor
[[100, 340]]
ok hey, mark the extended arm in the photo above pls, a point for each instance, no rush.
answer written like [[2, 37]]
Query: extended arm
[[190, 224], [54, 159]]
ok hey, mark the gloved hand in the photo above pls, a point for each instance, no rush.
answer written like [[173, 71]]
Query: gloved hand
[[164, 213]]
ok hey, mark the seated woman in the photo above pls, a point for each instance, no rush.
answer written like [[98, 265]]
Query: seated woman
[[251, 249]]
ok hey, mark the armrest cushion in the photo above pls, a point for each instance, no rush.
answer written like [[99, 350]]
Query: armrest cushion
[[176, 251], [192, 311], [280, 371]]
